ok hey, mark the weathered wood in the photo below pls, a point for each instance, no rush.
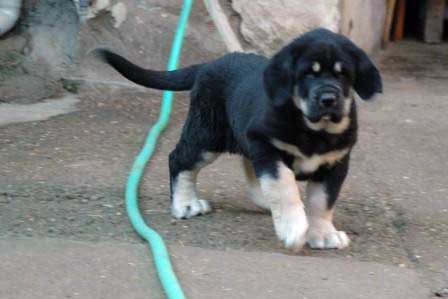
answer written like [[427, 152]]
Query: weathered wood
[[433, 23], [388, 21], [222, 24], [399, 20]]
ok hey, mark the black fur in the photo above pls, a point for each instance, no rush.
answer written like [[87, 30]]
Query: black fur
[[177, 80], [240, 102]]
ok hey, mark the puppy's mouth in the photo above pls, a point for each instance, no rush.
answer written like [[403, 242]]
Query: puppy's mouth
[[326, 117], [324, 104]]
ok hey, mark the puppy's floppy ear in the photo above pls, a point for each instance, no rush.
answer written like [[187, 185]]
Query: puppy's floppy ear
[[368, 80], [278, 77]]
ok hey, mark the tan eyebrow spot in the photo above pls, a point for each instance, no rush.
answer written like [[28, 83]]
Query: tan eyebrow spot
[[316, 67], [338, 67]]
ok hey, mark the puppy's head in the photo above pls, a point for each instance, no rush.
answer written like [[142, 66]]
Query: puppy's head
[[317, 72]]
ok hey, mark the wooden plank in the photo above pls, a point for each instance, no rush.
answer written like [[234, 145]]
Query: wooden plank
[[399, 20], [222, 24], [433, 23], [388, 22]]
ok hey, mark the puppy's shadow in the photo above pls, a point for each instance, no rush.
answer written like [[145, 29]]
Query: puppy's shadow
[[243, 209]]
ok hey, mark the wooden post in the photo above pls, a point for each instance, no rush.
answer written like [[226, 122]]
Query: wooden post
[[433, 23], [222, 24], [399, 20], [387, 26]]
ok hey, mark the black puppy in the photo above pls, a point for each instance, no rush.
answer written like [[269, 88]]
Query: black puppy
[[291, 117]]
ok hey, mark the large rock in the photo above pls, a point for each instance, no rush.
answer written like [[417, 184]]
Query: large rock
[[145, 36], [269, 24]]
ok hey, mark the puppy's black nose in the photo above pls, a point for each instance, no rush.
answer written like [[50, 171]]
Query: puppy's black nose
[[327, 100]]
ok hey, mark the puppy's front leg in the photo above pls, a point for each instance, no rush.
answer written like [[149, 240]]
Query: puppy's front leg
[[321, 197], [279, 187]]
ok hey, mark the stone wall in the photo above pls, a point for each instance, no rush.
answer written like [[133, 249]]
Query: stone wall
[[269, 24]]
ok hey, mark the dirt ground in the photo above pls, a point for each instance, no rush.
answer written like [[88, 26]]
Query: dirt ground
[[64, 177]]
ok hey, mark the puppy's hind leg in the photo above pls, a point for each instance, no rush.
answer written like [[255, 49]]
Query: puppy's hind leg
[[184, 164], [254, 185], [203, 138]]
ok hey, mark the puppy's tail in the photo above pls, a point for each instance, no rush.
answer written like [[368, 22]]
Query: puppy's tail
[[181, 79]]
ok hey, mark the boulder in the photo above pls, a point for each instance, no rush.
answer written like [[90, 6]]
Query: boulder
[[267, 25]]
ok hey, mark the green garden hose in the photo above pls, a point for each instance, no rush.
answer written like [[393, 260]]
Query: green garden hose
[[161, 257]]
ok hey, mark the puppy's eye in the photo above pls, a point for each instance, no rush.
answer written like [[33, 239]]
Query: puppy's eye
[[316, 67], [338, 67]]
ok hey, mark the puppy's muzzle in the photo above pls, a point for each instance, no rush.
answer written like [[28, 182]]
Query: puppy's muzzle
[[328, 99]]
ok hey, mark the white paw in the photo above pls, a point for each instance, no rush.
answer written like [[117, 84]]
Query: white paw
[[323, 235], [291, 225], [185, 210], [334, 240]]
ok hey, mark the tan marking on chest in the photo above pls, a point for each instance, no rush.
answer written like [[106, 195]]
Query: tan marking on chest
[[307, 164]]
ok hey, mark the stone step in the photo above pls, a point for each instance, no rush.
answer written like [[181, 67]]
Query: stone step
[[51, 268]]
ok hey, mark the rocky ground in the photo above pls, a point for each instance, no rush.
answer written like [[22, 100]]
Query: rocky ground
[[63, 176]]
